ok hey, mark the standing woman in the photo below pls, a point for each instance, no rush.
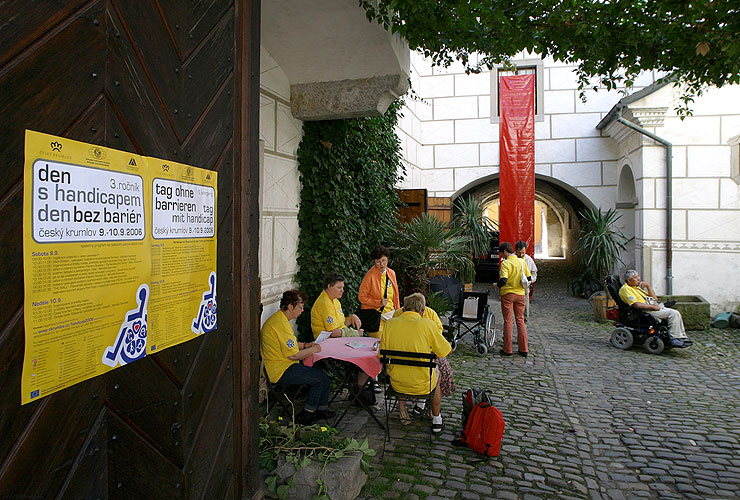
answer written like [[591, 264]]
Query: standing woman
[[379, 288], [513, 301]]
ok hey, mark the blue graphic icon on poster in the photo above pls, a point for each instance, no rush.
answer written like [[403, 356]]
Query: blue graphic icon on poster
[[206, 320], [34, 394], [131, 340]]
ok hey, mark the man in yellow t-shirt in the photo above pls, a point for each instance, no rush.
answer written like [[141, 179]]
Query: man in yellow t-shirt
[[412, 332], [640, 295], [513, 299], [281, 353]]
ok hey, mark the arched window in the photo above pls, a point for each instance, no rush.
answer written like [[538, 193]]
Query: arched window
[[626, 197]]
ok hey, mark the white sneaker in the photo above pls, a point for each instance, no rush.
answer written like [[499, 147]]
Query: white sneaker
[[437, 424]]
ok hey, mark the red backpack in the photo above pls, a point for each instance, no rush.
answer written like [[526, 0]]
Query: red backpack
[[484, 430]]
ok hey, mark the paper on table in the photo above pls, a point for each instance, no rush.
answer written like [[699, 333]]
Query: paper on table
[[322, 337], [356, 343]]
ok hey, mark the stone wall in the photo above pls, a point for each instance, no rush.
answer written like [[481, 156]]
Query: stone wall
[[280, 134]]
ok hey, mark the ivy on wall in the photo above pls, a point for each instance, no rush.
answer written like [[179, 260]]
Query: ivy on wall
[[348, 170]]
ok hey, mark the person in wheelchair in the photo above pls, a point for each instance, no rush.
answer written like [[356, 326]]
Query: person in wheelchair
[[640, 295], [414, 333]]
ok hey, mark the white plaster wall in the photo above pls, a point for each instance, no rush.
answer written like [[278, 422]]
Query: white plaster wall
[[706, 208], [453, 129], [280, 135], [456, 145]]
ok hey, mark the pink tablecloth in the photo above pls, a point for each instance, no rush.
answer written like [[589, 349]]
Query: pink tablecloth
[[336, 348]]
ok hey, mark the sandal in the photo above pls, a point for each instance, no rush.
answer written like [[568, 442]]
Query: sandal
[[404, 416]]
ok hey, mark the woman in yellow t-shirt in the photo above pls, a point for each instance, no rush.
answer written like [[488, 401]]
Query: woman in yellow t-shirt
[[281, 353], [327, 314]]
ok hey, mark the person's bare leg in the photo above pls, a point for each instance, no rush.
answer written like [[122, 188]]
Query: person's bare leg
[[437, 401], [361, 379]]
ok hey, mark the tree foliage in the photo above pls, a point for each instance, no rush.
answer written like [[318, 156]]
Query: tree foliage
[[611, 41], [348, 170]]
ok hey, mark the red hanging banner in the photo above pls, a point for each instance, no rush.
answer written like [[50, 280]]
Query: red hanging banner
[[516, 177]]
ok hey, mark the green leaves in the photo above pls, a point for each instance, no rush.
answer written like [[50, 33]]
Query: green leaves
[[599, 245], [348, 171], [695, 41]]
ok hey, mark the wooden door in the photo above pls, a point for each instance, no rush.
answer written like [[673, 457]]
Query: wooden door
[[441, 209], [175, 80], [413, 203]]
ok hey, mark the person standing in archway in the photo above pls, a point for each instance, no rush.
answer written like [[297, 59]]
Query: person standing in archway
[[521, 252], [513, 301]]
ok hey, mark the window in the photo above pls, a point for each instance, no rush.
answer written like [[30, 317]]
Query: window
[[525, 67]]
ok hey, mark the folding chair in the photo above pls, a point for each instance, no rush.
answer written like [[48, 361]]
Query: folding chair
[[405, 358], [277, 392]]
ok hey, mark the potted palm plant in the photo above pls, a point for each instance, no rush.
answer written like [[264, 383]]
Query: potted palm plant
[[470, 219], [598, 247], [423, 245]]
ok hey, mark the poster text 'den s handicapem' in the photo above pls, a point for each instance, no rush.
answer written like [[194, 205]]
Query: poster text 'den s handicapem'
[[119, 258]]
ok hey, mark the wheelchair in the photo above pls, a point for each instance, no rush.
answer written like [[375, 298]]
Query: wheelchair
[[476, 319], [635, 327]]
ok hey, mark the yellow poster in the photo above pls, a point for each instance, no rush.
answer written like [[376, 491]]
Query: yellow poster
[[119, 259]]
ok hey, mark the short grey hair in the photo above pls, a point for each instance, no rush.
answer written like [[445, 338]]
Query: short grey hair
[[629, 273], [414, 302]]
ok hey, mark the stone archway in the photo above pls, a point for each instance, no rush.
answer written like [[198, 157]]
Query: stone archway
[[556, 212], [626, 203]]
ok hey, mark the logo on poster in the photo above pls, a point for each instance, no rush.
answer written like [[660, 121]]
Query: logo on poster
[[55, 146]]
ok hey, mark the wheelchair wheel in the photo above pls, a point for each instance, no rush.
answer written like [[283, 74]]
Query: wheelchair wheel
[[453, 344], [489, 331], [482, 349], [654, 345], [622, 338]]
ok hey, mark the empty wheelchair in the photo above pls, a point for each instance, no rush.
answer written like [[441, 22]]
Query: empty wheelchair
[[635, 327], [472, 315]]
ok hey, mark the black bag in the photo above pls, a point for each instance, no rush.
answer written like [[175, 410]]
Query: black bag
[[370, 318]]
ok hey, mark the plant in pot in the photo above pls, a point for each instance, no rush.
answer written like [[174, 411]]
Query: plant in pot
[[598, 248], [423, 245], [471, 220]]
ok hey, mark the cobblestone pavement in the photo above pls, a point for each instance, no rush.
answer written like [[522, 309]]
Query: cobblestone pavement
[[583, 419]]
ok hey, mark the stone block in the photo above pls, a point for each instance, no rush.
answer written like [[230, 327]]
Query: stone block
[[695, 193], [597, 148], [437, 86], [693, 130], [438, 132], [551, 151], [479, 130], [559, 101], [489, 153], [575, 125], [456, 155], [344, 479], [578, 174], [716, 225], [473, 84], [708, 161], [455, 107]]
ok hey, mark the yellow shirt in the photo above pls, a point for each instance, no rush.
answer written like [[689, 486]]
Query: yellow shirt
[[326, 315], [277, 341], [411, 332], [385, 281], [632, 294], [511, 269], [429, 313]]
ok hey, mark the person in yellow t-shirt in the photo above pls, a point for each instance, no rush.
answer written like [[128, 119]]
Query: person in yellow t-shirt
[[446, 374], [281, 353], [412, 332], [327, 314], [513, 299], [640, 295]]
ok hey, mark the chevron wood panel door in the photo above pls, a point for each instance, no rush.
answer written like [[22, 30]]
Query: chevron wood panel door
[[172, 79]]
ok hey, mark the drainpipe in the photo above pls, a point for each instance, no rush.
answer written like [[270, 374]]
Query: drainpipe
[[669, 193]]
